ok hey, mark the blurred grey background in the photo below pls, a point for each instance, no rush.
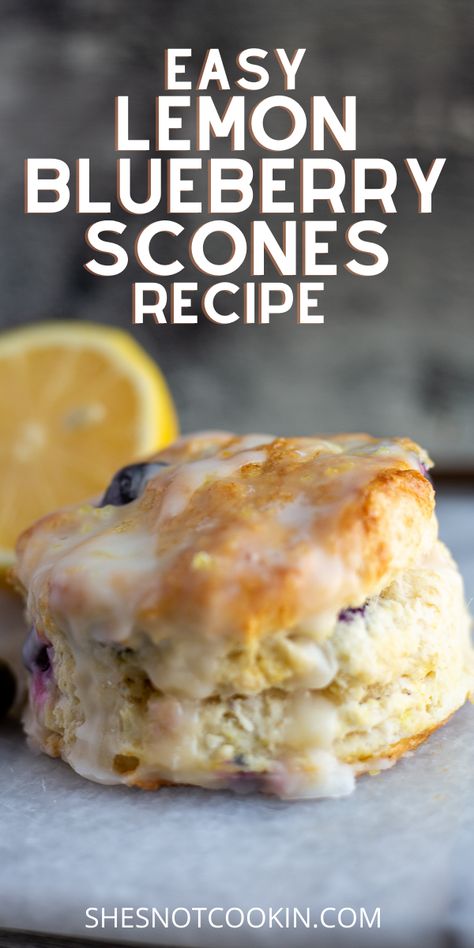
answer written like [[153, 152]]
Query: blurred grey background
[[396, 353]]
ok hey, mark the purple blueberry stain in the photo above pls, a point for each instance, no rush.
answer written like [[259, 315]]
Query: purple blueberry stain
[[36, 652], [37, 658], [234, 777], [246, 781], [347, 615], [424, 470]]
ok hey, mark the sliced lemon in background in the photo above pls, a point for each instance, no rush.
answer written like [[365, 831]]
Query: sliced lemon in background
[[77, 401]]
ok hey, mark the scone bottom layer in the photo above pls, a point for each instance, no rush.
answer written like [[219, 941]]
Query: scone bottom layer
[[251, 613]]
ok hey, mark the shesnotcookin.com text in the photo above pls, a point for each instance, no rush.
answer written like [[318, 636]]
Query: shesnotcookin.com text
[[285, 917]]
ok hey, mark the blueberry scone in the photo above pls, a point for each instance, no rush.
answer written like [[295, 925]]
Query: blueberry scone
[[246, 612]]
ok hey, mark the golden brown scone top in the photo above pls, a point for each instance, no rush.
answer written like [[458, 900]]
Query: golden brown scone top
[[236, 535]]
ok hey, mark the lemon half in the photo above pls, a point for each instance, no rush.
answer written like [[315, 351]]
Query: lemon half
[[77, 401]]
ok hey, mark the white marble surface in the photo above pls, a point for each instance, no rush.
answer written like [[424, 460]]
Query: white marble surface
[[404, 841]]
